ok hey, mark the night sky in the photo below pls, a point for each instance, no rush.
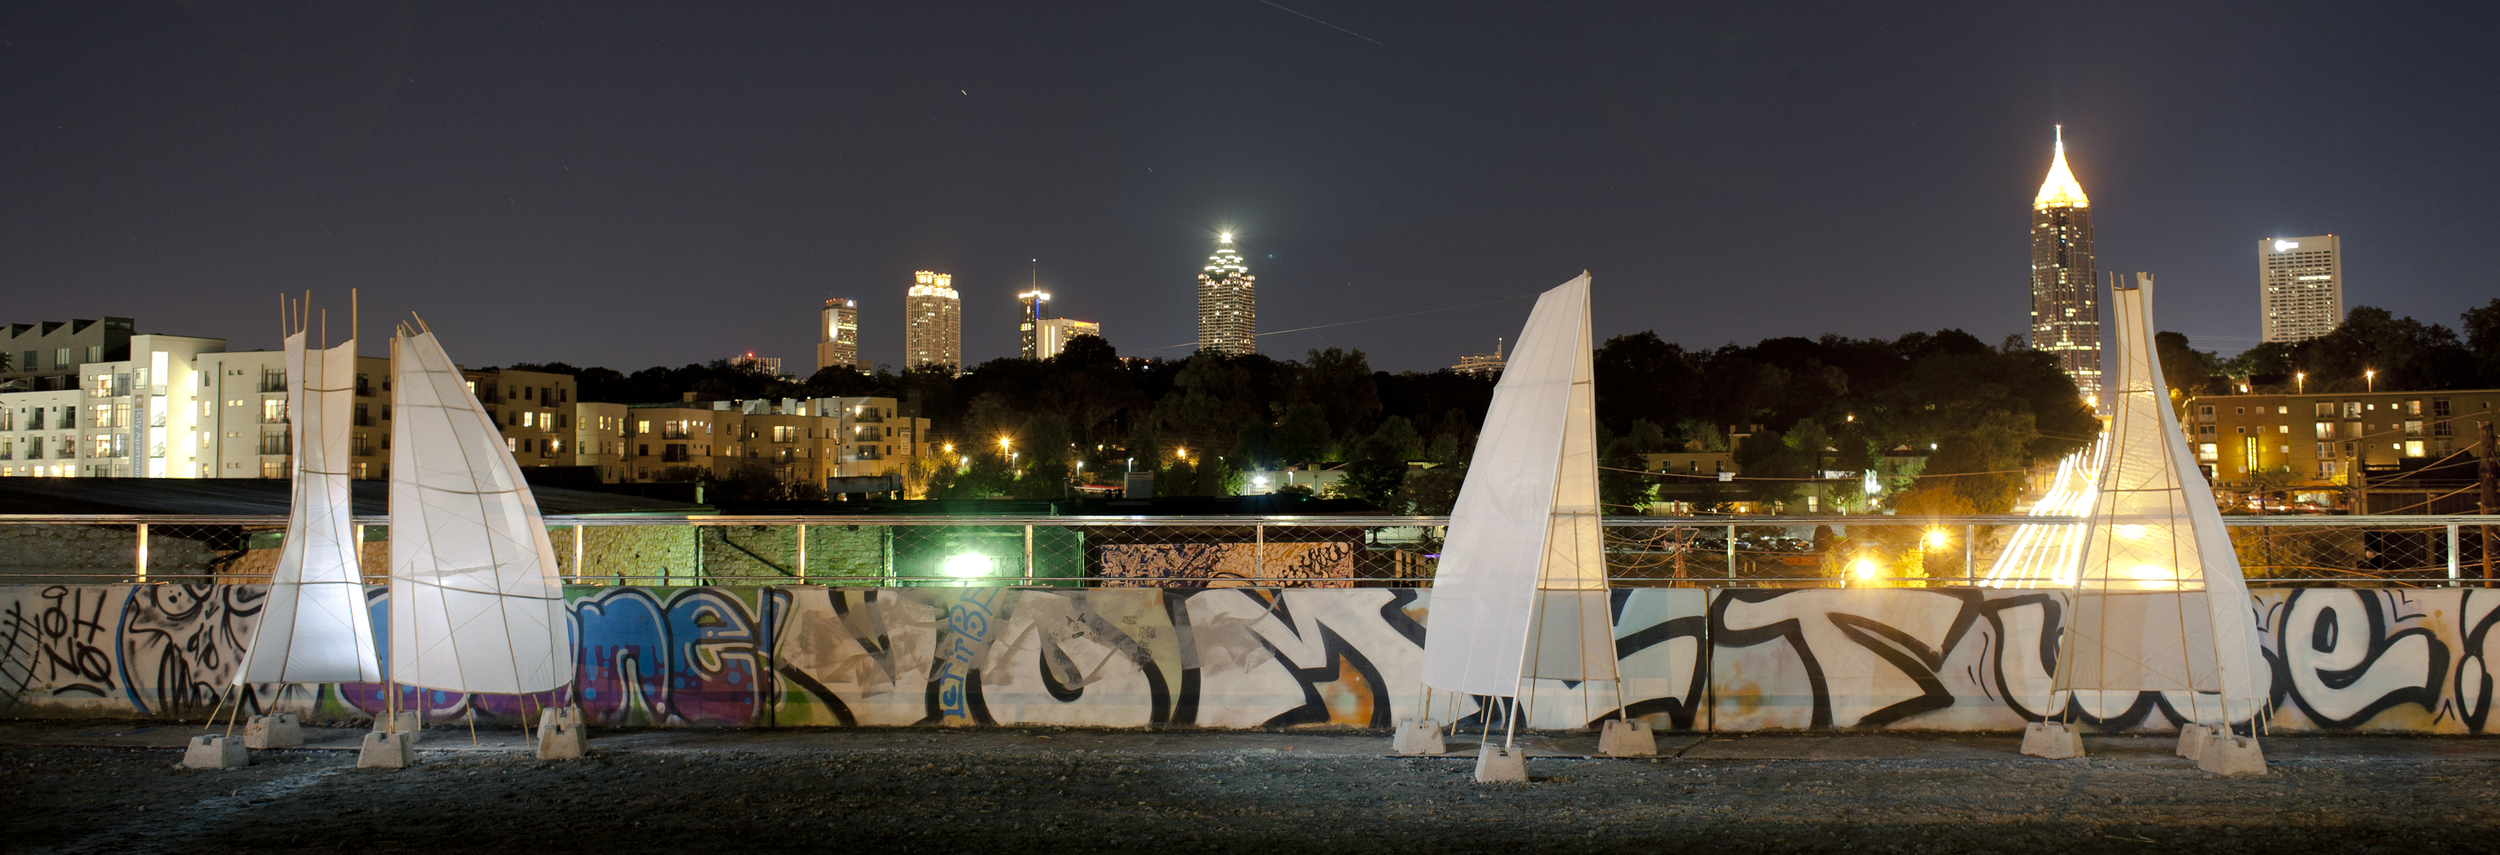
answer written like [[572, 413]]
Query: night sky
[[631, 184]]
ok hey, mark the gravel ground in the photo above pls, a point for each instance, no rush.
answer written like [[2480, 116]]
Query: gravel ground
[[937, 794]]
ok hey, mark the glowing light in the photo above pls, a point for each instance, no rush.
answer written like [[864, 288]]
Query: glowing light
[[1258, 481], [2281, 245], [2059, 190], [1937, 538], [969, 565], [1227, 237], [2130, 532], [2153, 577], [1864, 569]]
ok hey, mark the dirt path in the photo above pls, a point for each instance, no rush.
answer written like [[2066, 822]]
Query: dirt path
[[908, 791]]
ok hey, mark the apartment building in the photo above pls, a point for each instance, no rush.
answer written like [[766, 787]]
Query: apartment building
[[599, 440], [247, 432], [804, 440], [2309, 444], [39, 433], [534, 409], [44, 357]]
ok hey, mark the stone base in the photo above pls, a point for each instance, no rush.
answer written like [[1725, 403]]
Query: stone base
[[1498, 765], [2225, 754], [2192, 739], [2053, 740], [408, 724], [561, 735], [273, 731], [388, 751], [1623, 738], [215, 752], [1417, 736]]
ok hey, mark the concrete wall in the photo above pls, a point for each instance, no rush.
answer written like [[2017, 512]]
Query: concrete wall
[[2396, 660]]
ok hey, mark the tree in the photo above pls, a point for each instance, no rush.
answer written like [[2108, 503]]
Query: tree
[[1303, 435], [2482, 338], [1340, 383]]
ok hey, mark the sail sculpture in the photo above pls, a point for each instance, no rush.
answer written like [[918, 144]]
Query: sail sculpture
[[476, 605], [1520, 590], [2160, 604], [314, 627]]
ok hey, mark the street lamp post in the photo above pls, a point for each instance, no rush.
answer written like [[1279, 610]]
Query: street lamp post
[[2370, 376]]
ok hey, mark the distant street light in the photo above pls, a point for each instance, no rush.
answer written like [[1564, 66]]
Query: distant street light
[[2300, 382], [2370, 376]]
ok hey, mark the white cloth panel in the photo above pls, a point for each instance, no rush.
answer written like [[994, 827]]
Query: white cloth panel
[[476, 605], [314, 627], [2154, 528], [1485, 586]]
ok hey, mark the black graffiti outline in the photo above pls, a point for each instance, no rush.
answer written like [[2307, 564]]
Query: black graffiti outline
[[2475, 637], [1680, 710], [2426, 695]]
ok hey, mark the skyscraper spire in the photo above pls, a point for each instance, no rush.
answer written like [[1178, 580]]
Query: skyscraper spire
[[2065, 293], [2059, 190]]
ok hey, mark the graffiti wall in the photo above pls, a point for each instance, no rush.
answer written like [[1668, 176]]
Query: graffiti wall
[[2417, 661]]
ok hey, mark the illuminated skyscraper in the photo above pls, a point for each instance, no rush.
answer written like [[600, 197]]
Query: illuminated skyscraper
[[933, 332], [1055, 332], [2065, 296], [1228, 304], [2301, 286], [1029, 324], [837, 335]]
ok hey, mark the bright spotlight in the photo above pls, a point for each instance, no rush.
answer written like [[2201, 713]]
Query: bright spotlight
[[1937, 539], [1864, 569], [969, 565]]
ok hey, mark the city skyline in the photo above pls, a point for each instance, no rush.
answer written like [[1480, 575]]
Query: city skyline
[[184, 164], [2300, 286], [2065, 287]]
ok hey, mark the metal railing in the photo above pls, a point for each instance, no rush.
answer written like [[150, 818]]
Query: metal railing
[[1352, 551]]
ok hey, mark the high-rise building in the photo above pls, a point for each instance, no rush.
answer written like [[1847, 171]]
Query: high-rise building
[[1029, 325], [1228, 304], [933, 332], [837, 335], [2065, 296], [1055, 332], [2300, 285]]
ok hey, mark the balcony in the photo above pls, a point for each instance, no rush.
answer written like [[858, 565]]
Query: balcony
[[273, 381], [279, 444]]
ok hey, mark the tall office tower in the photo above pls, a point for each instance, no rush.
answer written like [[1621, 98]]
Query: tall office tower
[[837, 335], [2065, 296], [933, 331], [2301, 286], [1228, 304], [1036, 310], [1055, 332]]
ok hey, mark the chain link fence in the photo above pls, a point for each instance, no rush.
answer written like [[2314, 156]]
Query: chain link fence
[[1112, 552]]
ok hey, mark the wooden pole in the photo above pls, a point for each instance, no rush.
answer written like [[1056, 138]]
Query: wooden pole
[[2490, 503]]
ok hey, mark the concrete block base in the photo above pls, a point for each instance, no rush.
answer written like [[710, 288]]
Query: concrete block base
[[2192, 739], [407, 724], [215, 752], [1418, 736], [2053, 740], [1623, 738], [273, 731], [1498, 765], [2225, 754], [561, 735], [388, 751]]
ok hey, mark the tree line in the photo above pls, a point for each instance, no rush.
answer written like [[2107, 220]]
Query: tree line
[[1209, 423]]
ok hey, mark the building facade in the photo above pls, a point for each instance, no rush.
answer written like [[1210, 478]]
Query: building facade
[[248, 432], [2300, 286], [534, 409], [45, 356], [1482, 364], [837, 335], [1228, 303], [933, 332], [2309, 445], [1054, 335], [797, 440], [2065, 289], [1035, 311]]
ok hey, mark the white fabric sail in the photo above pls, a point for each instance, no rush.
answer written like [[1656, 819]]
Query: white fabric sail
[[2161, 604], [476, 605], [1520, 590], [314, 627]]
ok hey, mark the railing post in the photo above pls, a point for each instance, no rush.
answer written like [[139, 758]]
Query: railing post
[[1028, 554], [1258, 555], [2456, 577], [802, 551], [142, 553], [579, 572], [1731, 552], [1970, 555], [698, 554]]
